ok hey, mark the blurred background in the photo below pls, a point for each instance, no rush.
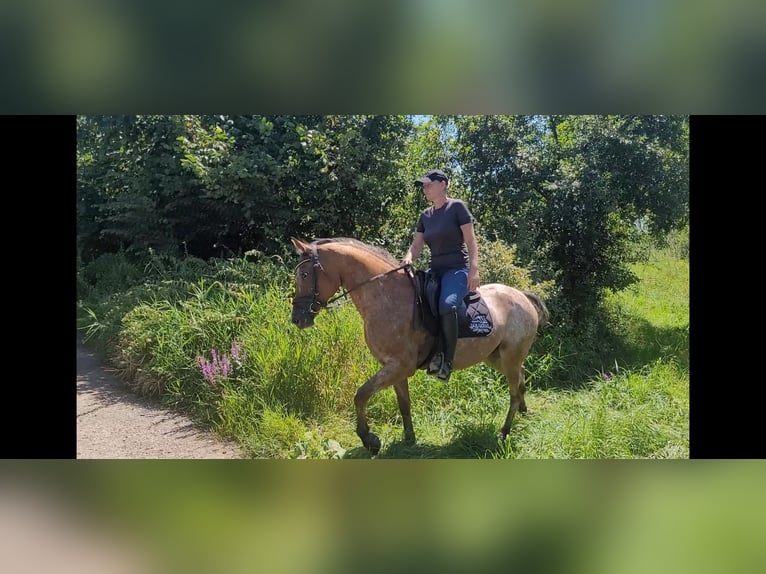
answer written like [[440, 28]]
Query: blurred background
[[428, 57], [374, 516], [583, 56]]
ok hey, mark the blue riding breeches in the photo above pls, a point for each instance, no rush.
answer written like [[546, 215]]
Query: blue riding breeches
[[454, 288]]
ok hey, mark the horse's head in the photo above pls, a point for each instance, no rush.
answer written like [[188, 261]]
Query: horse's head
[[313, 285]]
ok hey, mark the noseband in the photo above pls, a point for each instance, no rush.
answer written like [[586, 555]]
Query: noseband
[[311, 302]]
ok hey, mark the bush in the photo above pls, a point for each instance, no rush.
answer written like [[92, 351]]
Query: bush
[[676, 243], [108, 273], [498, 265]]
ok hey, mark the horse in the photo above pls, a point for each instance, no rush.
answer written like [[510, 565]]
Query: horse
[[384, 296]]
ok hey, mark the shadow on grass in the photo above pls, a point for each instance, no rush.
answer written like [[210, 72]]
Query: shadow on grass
[[471, 441], [650, 343], [631, 345]]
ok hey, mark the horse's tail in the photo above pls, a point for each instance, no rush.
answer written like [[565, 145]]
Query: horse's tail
[[543, 315]]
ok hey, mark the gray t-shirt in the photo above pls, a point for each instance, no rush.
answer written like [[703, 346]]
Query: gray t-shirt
[[442, 233]]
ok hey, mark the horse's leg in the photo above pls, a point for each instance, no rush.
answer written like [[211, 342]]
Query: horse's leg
[[511, 365], [402, 389], [380, 380], [522, 391], [515, 376]]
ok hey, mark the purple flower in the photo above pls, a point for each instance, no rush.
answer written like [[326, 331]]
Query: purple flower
[[220, 367], [207, 369], [237, 353]]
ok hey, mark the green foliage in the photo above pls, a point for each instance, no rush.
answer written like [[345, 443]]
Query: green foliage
[[617, 176], [131, 192], [157, 331], [424, 150], [503, 165], [110, 272], [676, 243], [220, 185], [626, 414], [498, 265], [578, 195]]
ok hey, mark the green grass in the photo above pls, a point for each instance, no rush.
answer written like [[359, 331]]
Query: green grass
[[654, 314], [620, 394], [630, 415]]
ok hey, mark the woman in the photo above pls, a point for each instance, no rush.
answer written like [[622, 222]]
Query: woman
[[447, 228]]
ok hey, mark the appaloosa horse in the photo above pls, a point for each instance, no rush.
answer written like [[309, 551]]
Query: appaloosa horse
[[384, 296]]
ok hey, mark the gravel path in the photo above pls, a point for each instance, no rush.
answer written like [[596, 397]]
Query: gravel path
[[113, 422]]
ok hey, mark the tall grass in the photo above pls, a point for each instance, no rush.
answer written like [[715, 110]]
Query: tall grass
[[625, 393], [627, 414], [289, 374]]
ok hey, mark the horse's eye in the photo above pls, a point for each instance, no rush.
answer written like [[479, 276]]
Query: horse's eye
[[304, 274]]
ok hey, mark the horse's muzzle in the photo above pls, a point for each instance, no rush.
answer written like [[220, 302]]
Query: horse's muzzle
[[302, 318]]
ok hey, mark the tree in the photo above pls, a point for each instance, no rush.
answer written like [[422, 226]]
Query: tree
[[132, 193], [617, 178], [576, 193], [233, 183], [504, 162]]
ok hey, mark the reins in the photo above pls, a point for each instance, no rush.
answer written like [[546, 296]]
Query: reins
[[315, 295], [370, 280]]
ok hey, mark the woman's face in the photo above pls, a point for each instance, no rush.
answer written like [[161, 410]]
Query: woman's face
[[434, 189]]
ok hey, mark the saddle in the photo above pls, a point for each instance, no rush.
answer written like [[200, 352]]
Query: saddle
[[477, 321]]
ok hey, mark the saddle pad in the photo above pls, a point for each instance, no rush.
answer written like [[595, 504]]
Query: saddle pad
[[476, 323], [478, 320]]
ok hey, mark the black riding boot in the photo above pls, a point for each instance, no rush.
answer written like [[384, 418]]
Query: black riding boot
[[449, 342], [436, 361]]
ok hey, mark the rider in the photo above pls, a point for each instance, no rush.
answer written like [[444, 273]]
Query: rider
[[447, 228]]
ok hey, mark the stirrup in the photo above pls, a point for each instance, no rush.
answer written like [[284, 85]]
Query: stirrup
[[435, 366], [445, 371]]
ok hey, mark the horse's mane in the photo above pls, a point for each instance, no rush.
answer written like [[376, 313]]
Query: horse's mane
[[371, 249]]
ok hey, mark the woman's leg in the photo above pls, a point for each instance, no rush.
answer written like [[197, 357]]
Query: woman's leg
[[454, 288]]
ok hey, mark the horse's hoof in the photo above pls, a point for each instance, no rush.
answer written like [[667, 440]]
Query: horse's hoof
[[522, 408], [372, 443], [502, 435]]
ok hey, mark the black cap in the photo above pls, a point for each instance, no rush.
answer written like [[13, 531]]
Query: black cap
[[432, 175]]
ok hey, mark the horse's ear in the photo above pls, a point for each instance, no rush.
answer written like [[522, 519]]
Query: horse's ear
[[300, 246]]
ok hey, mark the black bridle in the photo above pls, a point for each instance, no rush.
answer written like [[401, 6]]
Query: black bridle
[[312, 302]]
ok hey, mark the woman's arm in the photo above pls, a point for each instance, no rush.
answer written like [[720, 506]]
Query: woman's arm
[[415, 249], [473, 256]]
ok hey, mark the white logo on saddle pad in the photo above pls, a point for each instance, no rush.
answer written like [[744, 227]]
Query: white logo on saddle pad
[[479, 324]]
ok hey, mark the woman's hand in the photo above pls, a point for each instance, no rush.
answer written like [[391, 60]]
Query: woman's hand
[[473, 255], [415, 249], [473, 279]]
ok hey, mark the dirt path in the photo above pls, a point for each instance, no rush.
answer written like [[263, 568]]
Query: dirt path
[[112, 422]]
